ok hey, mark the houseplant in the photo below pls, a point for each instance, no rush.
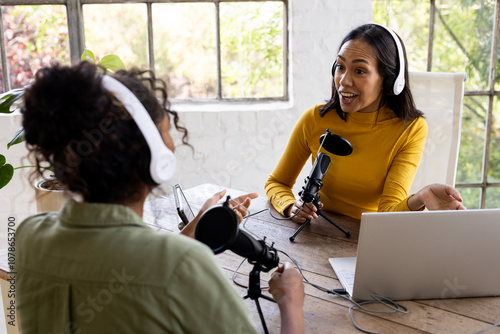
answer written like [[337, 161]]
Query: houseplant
[[11, 101]]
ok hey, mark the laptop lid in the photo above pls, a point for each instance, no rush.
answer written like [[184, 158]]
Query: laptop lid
[[428, 255]]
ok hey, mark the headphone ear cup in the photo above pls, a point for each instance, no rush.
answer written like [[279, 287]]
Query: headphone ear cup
[[334, 67]]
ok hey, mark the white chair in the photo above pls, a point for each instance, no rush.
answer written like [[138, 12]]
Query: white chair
[[440, 97]]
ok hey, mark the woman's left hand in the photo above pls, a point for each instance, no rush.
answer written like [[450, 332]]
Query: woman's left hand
[[437, 197], [241, 203]]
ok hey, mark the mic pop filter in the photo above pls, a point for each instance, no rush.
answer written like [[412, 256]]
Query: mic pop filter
[[217, 228], [335, 144]]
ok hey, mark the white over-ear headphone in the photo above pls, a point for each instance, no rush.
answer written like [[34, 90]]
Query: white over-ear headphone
[[399, 83], [162, 166]]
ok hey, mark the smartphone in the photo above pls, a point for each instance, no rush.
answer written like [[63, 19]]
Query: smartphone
[[183, 209]]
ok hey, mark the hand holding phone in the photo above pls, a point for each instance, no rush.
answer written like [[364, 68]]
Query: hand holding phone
[[183, 209]]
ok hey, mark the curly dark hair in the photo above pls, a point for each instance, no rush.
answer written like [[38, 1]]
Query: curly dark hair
[[85, 135], [386, 52]]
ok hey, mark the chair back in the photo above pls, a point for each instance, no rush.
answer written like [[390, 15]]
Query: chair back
[[440, 97]]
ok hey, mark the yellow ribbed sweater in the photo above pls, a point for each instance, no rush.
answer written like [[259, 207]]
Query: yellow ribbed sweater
[[376, 176]]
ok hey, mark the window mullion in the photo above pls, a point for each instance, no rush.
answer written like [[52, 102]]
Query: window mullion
[[494, 47], [285, 50], [76, 32], [218, 50], [151, 50], [432, 15], [5, 65]]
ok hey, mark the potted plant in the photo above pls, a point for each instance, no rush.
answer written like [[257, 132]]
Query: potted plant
[[49, 194]]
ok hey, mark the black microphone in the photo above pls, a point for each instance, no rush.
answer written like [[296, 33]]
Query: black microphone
[[314, 181], [218, 228]]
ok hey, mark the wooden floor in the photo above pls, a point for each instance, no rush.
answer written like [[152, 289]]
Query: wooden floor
[[325, 313]]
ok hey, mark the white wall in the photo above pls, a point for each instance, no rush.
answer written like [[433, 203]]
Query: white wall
[[235, 145], [238, 146]]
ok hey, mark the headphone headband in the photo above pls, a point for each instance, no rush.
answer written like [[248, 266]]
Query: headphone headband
[[162, 165], [399, 83]]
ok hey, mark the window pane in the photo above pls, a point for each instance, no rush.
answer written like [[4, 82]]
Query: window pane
[[119, 29], [472, 139], [413, 29], [471, 197], [494, 166], [251, 49], [184, 45], [34, 36], [492, 198], [463, 40]]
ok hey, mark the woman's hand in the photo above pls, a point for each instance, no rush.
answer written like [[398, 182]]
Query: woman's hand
[[287, 288], [308, 212], [436, 197], [239, 205]]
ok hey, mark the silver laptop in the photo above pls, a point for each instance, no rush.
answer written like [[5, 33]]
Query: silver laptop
[[424, 255]]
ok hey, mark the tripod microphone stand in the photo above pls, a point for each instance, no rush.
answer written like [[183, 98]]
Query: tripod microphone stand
[[254, 292], [317, 204], [314, 182], [218, 228]]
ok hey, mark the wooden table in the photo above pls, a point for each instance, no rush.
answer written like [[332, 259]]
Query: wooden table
[[316, 243]]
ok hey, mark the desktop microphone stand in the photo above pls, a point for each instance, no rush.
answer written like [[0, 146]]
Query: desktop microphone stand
[[316, 201], [254, 292]]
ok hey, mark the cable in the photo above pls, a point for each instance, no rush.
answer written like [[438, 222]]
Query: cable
[[487, 329], [253, 214], [378, 299], [286, 218]]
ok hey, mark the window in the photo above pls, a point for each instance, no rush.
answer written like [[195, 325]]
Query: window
[[29, 44], [206, 50], [459, 36]]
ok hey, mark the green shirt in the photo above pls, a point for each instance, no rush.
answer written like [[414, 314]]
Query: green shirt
[[98, 268]]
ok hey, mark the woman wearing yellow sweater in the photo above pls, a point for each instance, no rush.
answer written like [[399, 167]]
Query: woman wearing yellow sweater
[[372, 107]]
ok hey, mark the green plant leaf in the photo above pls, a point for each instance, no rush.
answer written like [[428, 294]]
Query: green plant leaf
[[6, 172], [8, 98], [18, 138], [112, 63], [88, 55]]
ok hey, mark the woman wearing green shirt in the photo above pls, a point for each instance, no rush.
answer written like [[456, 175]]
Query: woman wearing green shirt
[[95, 266]]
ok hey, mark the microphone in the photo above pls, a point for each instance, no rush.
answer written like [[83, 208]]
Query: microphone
[[334, 144], [309, 193], [314, 181], [218, 228]]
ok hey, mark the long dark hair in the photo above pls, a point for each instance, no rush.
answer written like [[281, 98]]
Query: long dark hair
[[386, 52], [86, 136]]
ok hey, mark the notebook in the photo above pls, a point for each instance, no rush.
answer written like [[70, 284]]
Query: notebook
[[424, 255]]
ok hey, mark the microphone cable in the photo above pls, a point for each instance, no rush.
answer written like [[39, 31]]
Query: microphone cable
[[378, 299], [286, 218], [341, 293], [487, 329], [393, 306]]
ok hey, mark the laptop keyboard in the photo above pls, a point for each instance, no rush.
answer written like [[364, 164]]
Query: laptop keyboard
[[348, 277]]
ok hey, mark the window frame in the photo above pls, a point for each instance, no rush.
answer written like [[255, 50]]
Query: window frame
[[76, 36], [490, 93]]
